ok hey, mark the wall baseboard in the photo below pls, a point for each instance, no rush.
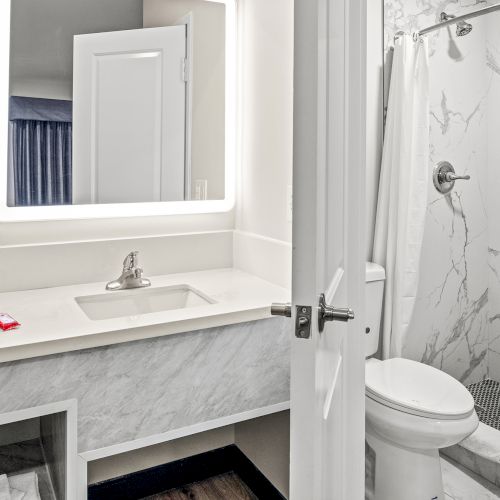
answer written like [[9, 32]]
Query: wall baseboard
[[186, 471]]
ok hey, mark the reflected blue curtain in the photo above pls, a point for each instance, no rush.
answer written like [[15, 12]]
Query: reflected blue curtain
[[41, 151]]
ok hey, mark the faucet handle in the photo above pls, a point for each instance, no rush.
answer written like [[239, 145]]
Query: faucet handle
[[131, 261]]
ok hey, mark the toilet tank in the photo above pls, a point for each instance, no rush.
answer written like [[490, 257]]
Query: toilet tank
[[375, 279]]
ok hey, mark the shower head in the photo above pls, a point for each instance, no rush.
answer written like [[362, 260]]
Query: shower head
[[463, 28]]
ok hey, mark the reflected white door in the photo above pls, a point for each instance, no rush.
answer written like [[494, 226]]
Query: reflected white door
[[327, 373], [129, 112]]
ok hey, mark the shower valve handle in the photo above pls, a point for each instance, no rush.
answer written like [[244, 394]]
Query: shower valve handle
[[444, 177], [450, 177]]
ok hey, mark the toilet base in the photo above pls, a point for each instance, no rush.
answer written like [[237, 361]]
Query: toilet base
[[404, 473]]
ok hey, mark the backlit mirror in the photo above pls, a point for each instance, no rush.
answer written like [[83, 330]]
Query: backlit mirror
[[118, 101]]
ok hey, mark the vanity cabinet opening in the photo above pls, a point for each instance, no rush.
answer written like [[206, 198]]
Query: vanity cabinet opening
[[35, 456]]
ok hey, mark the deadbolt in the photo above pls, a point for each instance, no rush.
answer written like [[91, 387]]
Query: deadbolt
[[329, 313]]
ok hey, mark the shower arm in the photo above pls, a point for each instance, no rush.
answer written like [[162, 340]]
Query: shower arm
[[457, 19]]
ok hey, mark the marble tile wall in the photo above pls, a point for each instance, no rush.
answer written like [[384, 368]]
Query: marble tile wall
[[493, 72], [128, 391], [451, 324]]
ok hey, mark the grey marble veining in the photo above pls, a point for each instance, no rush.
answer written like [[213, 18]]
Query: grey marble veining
[[128, 391]]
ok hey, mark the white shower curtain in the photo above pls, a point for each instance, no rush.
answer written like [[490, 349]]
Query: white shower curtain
[[403, 188]]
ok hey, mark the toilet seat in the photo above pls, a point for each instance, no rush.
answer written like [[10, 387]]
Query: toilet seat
[[417, 389]]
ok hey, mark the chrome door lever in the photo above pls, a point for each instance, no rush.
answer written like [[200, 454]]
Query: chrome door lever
[[329, 313], [281, 310]]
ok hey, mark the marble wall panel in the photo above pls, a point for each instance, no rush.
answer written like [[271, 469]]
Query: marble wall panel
[[493, 72], [450, 327]]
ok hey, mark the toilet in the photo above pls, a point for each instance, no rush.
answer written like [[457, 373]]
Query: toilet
[[412, 410]]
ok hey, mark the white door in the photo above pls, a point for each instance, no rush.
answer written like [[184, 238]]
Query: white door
[[327, 367], [129, 112]]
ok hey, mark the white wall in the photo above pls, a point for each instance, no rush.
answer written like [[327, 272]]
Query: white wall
[[375, 114], [266, 37], [42, 40], [266, 442], [208, 107], [263, 213], [133, 461]]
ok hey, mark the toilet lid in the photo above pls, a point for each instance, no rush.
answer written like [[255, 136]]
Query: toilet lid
[[418, 389]]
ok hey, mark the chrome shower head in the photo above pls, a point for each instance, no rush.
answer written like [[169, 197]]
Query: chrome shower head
[[463, 28]]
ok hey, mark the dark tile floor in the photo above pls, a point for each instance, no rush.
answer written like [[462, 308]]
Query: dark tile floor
[[486, 394], [224, 487]]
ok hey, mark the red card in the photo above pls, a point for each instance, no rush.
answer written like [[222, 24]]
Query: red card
[[8, 322]]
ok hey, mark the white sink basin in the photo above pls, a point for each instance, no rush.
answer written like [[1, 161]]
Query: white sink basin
[[118, 304]]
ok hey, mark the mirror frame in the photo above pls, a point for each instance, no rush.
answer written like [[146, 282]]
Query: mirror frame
[[115, 210]]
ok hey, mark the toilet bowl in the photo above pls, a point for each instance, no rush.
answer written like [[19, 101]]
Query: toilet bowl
[[412, 410]]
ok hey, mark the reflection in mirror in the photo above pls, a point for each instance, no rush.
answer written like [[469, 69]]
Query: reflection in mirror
[[116, 101]]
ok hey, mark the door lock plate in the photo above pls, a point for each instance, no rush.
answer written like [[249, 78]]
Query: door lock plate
[[303, 322]]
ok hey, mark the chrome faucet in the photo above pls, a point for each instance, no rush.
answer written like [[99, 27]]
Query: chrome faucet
[[131, 276]]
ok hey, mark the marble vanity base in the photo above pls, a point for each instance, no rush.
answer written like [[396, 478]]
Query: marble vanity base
[[127, 392], [480, 453]]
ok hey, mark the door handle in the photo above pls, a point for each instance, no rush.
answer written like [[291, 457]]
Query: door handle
[[329, 313], [278, 309]]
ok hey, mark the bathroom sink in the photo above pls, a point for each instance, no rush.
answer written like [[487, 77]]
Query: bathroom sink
[[118, 304]]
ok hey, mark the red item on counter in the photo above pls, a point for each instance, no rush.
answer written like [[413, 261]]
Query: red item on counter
[[8, 322]]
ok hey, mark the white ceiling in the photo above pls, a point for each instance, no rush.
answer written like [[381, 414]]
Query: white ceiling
[[42, 32]]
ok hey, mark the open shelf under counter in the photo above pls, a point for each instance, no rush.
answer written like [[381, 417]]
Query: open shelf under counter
[[38, 451]]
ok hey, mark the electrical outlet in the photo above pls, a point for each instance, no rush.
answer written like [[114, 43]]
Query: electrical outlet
[[200, 189]]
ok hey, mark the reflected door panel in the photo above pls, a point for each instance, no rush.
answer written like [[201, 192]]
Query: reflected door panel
[[129, 116]]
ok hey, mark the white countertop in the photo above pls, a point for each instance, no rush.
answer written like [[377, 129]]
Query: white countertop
[[52, 322]]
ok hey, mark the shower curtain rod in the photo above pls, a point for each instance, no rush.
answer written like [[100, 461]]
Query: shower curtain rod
[[463, 17]]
